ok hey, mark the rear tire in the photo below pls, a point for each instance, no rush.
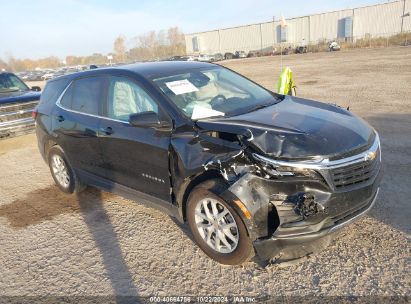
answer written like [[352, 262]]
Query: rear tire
[[219, 231], [62, 172]]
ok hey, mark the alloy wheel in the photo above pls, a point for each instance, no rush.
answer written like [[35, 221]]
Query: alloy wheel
[[60, 171], [216, 225]]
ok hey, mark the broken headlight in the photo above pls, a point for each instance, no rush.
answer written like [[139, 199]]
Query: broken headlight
[[280, 169], [284, 171]]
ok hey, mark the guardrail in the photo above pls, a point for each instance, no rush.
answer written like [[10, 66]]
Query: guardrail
[[15, 119]]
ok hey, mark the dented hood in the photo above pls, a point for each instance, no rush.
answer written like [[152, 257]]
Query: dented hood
[[296, 128]]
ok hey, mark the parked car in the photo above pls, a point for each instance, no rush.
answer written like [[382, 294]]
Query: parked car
[[13, 89], [17, 101], [268, 51], [48, 76], [177, 58], [333, 46], [218, 57], [229, 55], [24, 76], [250, 171], [21, 74], [254, 54], [286, 50], [240, 54], [60, 73], [68, 71], [301, 49], [205, 58], [181, 58], [34, 76]]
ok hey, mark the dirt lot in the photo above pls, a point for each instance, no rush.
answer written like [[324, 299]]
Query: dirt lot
[[100, 244]]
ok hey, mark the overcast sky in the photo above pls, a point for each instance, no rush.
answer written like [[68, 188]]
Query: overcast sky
[[34, 29]]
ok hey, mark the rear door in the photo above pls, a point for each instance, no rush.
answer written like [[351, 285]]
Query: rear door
[[76, 123], [135, 157]]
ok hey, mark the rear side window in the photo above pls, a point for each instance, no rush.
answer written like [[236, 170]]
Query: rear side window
[[66, 99], [53, 90], [84, 95]]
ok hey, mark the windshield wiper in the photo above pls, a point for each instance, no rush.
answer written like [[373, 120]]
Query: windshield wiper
[[259, 106]]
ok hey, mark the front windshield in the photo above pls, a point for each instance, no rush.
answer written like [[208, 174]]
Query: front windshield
[[11, 83], [203, 93]]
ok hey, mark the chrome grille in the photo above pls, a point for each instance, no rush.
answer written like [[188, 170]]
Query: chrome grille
[[15, 118], [357, 173]]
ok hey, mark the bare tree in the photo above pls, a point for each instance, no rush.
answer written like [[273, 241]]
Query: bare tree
[[158, 45], [16, 65], [148, 40], [162, 37], [177, 41], [3, 65], [175, 36]]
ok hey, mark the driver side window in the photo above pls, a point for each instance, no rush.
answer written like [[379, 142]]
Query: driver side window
[[125, 97]]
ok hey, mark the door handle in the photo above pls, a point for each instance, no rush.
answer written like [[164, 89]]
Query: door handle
[[60, 118], [107, 131]]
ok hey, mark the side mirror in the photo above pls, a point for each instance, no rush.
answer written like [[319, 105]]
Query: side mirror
[[147, 119], [36, 89]]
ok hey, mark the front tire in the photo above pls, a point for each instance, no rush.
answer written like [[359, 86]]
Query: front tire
[[216, 227], [62, 172]]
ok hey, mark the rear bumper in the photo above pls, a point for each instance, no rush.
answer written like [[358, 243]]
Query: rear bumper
[[41, 141], [288, 247]]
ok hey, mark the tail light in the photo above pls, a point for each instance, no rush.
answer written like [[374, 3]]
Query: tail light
[[34, 114]]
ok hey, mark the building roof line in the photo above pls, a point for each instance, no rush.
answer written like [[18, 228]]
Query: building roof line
[[292, 18]]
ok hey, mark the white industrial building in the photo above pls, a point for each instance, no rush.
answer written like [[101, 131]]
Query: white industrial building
[[380, 20]]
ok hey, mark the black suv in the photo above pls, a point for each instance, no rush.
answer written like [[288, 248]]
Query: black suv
[[253, 173]]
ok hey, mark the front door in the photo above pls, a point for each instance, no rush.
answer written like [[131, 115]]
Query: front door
[[135, 157]]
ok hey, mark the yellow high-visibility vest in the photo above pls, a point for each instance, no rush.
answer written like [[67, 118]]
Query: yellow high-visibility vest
[[286, 85]]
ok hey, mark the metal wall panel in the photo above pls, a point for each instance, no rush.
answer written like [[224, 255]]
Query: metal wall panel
[[378, 20], [243, 38], [208, 42], [327, 26], [189, 43], [269, 34], [298, 30], [407, 20]]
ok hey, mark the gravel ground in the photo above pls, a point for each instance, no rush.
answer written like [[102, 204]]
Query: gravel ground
[[101, 244]]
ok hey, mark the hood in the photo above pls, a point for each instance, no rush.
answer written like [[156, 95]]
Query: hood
[[297, 128], [20, 96]]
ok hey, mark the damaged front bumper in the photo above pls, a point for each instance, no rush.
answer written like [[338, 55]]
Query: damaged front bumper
[[292, 246], [293, 217]]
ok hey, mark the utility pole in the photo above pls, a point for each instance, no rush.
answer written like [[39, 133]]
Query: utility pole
[[110, 58], [261, 39], [274, 37], [283, 26], [403, 15], [219, 41]]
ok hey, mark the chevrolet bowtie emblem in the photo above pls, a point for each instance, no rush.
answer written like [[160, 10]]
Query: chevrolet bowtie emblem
[[370, 156]]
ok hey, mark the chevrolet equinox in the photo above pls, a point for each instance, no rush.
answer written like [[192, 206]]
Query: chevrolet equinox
[[253, 173]]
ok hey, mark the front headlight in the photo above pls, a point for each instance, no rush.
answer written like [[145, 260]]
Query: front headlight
[[281, 169], [290, 171]]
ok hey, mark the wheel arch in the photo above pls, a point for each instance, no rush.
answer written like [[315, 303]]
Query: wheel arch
[[48, 144], [208, 177], [193, 182]]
